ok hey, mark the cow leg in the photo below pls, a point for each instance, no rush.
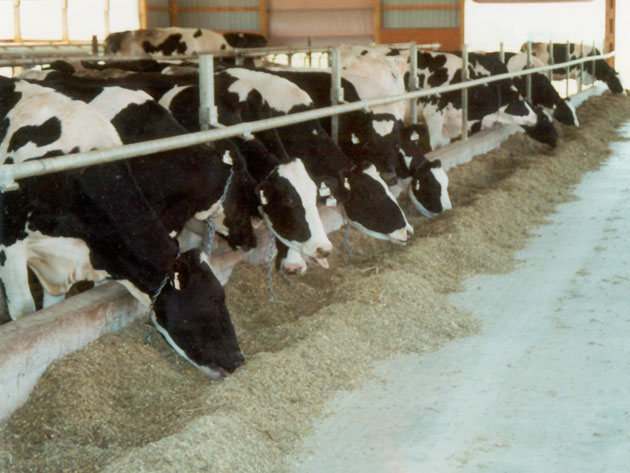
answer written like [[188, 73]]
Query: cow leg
[[14, 276]]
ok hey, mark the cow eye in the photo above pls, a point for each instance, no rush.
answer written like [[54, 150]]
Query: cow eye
[[288, 201]]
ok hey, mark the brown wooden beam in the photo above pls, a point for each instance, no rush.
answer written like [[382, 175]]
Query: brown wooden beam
[[106, 18], [173, 12], [142, 13], [610, 30], [377, 20], [419, 7], [263, 18], [17, 25], [65, 36]]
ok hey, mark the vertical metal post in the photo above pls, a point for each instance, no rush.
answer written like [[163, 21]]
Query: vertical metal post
[[551, 60], [290, 59], [336, 92], [95, 45], [413, 81], [208, 115], [528, 77], [581, 79], [238, 57], [568, 68], [465, 77], [502, 52], [594, 53]]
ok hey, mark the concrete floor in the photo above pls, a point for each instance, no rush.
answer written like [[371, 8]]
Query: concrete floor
[[544, 388]]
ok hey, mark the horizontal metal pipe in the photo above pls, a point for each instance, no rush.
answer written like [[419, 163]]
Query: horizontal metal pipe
[[10, 172], [33, 60]]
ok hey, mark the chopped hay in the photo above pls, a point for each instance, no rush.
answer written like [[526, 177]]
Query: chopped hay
[[121, 406]]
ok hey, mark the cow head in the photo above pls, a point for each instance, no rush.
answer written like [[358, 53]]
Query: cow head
[[429, 187], [607, 74], [565, 113], [372, 137], [190, 313], [288, 204], [543, 131], [239, 206], [369, 205]]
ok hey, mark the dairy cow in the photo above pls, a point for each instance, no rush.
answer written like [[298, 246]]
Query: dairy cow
[[177, 40], [543, 92], [603, 71], [96, 223]]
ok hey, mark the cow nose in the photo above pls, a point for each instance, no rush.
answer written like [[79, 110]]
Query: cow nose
[[322, 252], [239, 359]]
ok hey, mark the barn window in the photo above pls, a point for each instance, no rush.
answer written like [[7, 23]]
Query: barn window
[[65, 20]]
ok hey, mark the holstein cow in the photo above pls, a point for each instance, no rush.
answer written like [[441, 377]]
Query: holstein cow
[[176, 40], [497, 102], [95, 223], [543, 92], [603, 71]]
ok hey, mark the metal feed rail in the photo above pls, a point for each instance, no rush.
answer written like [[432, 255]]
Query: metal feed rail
[[8, 60], [10, 172]]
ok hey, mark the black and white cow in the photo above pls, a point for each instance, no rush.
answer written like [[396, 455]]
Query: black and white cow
[[96, 223], [603, 71], [498, 102], [544, 94], [177, 40]]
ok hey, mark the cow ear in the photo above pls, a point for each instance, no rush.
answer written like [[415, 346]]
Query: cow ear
[[436, 163]]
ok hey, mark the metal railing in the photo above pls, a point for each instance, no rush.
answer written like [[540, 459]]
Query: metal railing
[[10, 172]]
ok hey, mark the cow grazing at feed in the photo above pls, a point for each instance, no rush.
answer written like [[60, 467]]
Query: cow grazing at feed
[[96, 222], [176, 40], [543, 92], [603, 71]]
